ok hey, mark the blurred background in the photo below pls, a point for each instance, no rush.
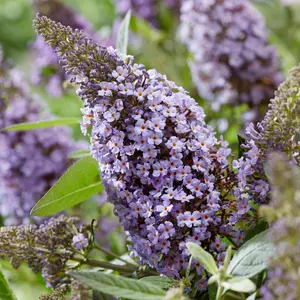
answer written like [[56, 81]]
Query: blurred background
[[156, 41]]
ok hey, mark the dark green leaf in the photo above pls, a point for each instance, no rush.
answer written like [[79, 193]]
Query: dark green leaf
[[119, 286], [252, 257], [212, 291], [122, 39], [160, 281], [5, 291], [100, 296], [80, 153], [242, 141], [42, 124], [205, 258], [261, 226], [78, 183]]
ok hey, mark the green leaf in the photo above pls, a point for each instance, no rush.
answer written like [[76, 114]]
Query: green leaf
[[5, 291], [160, 281], [239, 284], [78, 183], [252, 257], [100, 296], [122, 39], [205, 258], [119, 286], [80, 153], [42, 124], [261, 226]]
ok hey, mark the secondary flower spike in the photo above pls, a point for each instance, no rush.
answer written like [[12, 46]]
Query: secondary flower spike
[[162, 166], [279, 131], [30, 161], [46, 248], [233, 60]]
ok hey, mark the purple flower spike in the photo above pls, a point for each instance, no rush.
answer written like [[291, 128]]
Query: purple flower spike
[[233, 60]]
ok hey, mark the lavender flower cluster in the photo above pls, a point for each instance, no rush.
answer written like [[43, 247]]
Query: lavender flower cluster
[[162, 166], [283, 276], [46, 248], [46, 67], [277, 132], [30, 161], [233, 61]]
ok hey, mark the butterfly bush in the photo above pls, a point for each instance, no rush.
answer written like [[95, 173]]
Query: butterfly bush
[[283, 276], [30, 161], [47, 248], [277, 132], [161, 164], [45, 68], [233, 61]]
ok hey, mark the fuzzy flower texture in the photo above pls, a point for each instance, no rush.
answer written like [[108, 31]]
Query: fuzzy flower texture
[[233, 61], [46, 248], [30, 161], [283, 277], [163, 167]]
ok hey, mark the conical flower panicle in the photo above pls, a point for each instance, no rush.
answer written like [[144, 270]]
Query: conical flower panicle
[[233, 60], [162, 166], [30, 161]]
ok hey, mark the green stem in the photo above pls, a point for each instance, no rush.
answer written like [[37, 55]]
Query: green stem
[[219, 292], [110, 266], [113, 255]]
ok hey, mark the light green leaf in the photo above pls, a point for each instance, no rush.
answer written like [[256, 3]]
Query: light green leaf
[[119, 286], [5, 291], [239, 284], [122, 39], [205, 258], [78, 183], [42, 124], [160, 281], [252, 257], [80, 153], [252, 296]]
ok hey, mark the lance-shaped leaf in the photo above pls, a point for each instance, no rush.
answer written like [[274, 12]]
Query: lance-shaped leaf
[[118, 286], [252, 257], [239, 284], [122, 39], [80, 153], [5, 291], [78, 183], [205, 258], [163, 282], [42, 124]]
